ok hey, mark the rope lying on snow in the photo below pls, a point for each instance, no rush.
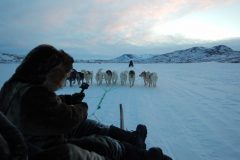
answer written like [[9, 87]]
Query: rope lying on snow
[[100, 102]]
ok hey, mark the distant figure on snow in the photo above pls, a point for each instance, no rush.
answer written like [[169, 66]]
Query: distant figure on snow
[[130, 63]]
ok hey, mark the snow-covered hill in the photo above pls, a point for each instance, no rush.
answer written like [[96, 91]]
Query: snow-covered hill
[[127, 57], [10, 58], [219, 53]]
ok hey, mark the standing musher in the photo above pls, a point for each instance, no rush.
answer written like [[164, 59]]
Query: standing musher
[[130, 64]]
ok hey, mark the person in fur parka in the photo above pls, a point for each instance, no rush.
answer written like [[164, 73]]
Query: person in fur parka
[[29, 101]]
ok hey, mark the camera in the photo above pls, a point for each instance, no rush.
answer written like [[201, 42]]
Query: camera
[[84, 86]]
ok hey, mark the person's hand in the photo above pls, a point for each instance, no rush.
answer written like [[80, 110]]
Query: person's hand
[[84, 109], [77, 98]]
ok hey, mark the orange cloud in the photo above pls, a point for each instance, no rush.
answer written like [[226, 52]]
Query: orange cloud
[[110, 20], [136, 19]]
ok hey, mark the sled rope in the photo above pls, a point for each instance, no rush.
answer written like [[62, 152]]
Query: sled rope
[[100, 102], [103, 96]]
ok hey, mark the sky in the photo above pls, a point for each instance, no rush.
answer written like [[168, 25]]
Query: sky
[[109, 28]]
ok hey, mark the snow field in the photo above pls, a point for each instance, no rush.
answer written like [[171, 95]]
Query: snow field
[[193, 113]]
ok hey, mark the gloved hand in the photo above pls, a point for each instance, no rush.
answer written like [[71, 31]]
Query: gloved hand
[[84, 109], [77, 98]]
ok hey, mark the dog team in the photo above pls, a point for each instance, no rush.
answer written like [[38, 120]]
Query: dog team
[[111, 77]]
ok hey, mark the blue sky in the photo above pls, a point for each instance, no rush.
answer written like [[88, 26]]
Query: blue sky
[[108, 28]]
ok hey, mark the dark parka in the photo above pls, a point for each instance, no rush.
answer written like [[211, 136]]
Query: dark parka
[[41, 115], [12, 144]]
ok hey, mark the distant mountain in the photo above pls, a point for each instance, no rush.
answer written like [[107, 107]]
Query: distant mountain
[[10, 58], [125, 58], [128, 57], [220, 53]]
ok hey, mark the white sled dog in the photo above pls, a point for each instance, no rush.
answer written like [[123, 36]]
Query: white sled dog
[[150, 79], [145, 75], [123, 77], [88, 76], [114, 77], [153, 79], [99, 77], [131, 77]]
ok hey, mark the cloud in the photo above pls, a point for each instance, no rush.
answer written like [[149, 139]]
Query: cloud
[[95, 24], [138, 19]]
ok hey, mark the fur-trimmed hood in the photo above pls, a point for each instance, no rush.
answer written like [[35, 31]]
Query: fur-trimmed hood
[[39, 62]]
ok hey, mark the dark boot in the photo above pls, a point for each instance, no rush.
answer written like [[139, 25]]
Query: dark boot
[[156, 154], [134, 153], [136, 138], [141, 135]]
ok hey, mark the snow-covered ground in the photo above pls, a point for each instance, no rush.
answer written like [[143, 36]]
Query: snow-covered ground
[[192, 114]]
